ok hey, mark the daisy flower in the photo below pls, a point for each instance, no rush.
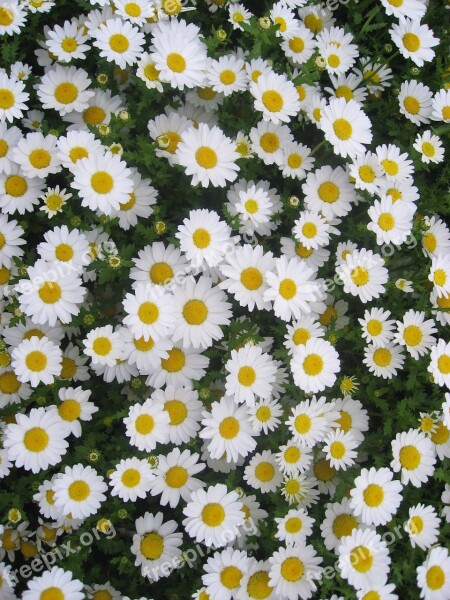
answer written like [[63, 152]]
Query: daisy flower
[[262, 472], [334, 313], [63, 245], [276, 97], [181, 367], [10, 241], [137, 12], [433, 576], [7, 578], [395, 165], [296, 161], [430, 147], [131, 479], [104, 588], [228, 429], [226, 75], [339, 449], [35, 441], [9, 136], [264, 415], [280, 14], [375, 496], [36, 361], [103, 345], [147, 424], [19, 193], [45, 499], [415, 41], [363, 274], [255, 582], [65, 89], [156, 545], [422, 526], [184, 409], [12, 17], [311, 420], [293, 571], [147, 71], [203, 237], [416, 333], [439, 365], [328, 191], [103, 182], [441, 440], [100, 106], [74, 407], [363, 558], [208, 155], [300, 490], [298, 44], [293, 458], [255, 204], [245, 272], [158, 264], [292, 288], [299, 332], [312, 230], [149, 312], [79, 491], [441, 106], [413, 9], [440, 273], [251, 373], [173, 477], [442, 302], [54, 583], [339, 522], [366, 171], [212, 516], [12, 391], [353, 418], [376, 327], [415, 101], [384, 361], [118, 41], [348, 87], [223, 573], [391, 221], [76, 145], [294, 528], [414, 455], [167, 131], [238, 14], [315, 365], [73, 365], [346, 127], [269, 141], [178, 54], [404, 285], [67, 42], [13, 98]]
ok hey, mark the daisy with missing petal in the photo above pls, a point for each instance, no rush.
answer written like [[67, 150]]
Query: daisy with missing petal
[[103, 345], [275, 97], [415, 101], [414, 455], [64, 89], [339, 449], [212, 515], [315, 365], [36, 361], [363, 274], [74, 407], [19, 193], [35, 441], [103, 182], [415, 41], [312, 230], [262, 472], [391, 221], [376, 496], [203, 237], [294, 528], [227, 75], [178, 53], [299, 489], [439, 365], [363, 559], [270, 140], [167, 131], [296, 161], [422, 526], [174, 477], [251, 373], [54, 298], [199, 312], [293, 459], [184, 410], [13, 98], [416, 333], [311, 420], [244, 272], [224, 572], [67, 42], [119, 42], [384, 361], [430, 147], [55, 583], [79, 491], [292, 288], [149, 312], [376, 326], [208, 155], [293, 571], [366, 172], [433, 576], [346, 127], [131, 479], [329, 191], [264, 415], [147, 424], [395, 165]]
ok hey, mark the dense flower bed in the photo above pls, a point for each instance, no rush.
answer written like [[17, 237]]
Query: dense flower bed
[[225, 278]]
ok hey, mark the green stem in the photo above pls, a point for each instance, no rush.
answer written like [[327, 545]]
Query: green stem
[[367, 23], [319, 145]]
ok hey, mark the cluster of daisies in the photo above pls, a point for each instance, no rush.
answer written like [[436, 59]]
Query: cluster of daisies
[[245, 287]]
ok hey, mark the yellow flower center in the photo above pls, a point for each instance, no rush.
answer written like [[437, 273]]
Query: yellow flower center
[[3, 147], [337, 450], [301, 336], [176, 62], [36, 439], [102, 182], [128, 205], [161, 273], [79, 490], [361, 559], [287, 289], [264, 472], [40, 158], [227, 77], [382, 357], [373, 495], [292, 454], [69, 44], [374, 327], [94, 115], [440, 277], [102, 595], [64, 252], [302, 424], [206, 157], [343, 525], [343, 91], [411, 105], [69, 410], [272, 100], [443, 301], [409, 457], [293, 525], [6, 18], [119, 43], [230, 577], [229, 428], [152, 545], [390, 166], [151, 73], [175, 362], [195, 312], [366, 174], [263, 414], [329, 315], [294, 161], [15, 185], [52, 593], [131, 478], [323, 470], [144, 424], [213, 514], [435, 577], [328, 192], [443, 364], [251, 278], [359, 276], [334, 61], [386, 221], [247, 376], [281, 22], [292, 569], [416, 525], [66, 93], [5, 275], [313, 23], [343, 129], [412, 335], [9, 384], [309, 230], [296, 44], [269, 142], [102, 346], [206, 93], [258, 587], [201, 238], [36, 361], [428, 149], [133, 9], [313, 365], [176, 477], [177, 411], [411, 42], [441, 435], [148, 313], [50, 292]]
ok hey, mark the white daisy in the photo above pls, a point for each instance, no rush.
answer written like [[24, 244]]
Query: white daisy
[[293, 458], [367, 173], [375, 496], [339, 449], [315, 365], [226, 75], [415, 41], [255, 203], [433, 576], [79, 491], [54, 583], [264, 415], [346, 127], [147, 424], [396, 165], [158, 264], [36, 361], [262, 472], [299, 44], [131, 479], [312, 230], [311, 420], [415, 101], [376, 326], [269, 141], [441, 106], [181, 367], [251, 373], [439, 365], [363, 274], [149, 312], [294, 570], [64, 89], [422, 526], [339, 522], [328, 191], [13, 98], [391, 221], [416, 333], [255, 583], [73, 408], [297, 161], [184, 409], [276, 97], [63, 245], [384, 361], [10, 241], [9, 136], [440, 273], [118, 41], [103, 345], [430, 147], [414, 455], [67, 42], [19, 193]]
